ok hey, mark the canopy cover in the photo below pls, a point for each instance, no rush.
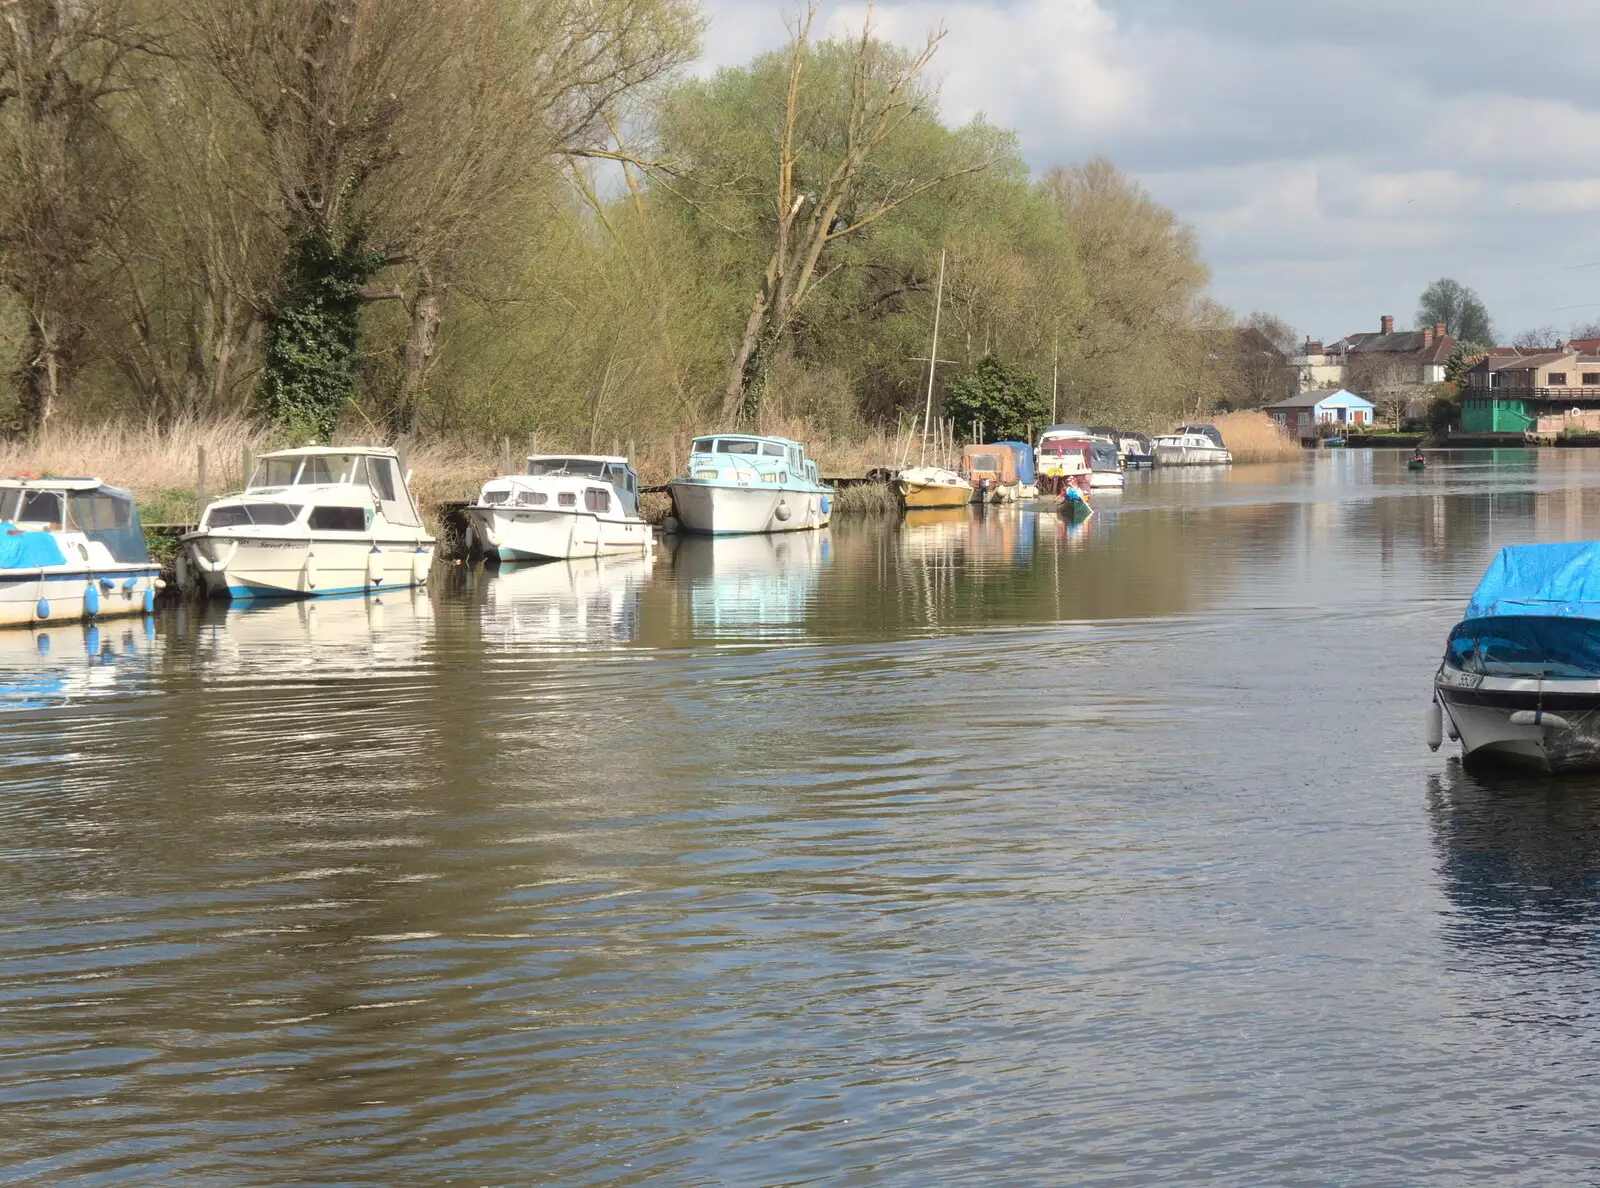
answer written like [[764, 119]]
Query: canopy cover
[[1024, 457], [1556, 580], [28, 550]]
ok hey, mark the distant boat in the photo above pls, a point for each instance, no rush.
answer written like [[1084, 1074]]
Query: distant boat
[[312, 522], [932, 486], [1063, 459], [1416, 464], [71, 548], [1192, 445], [993, 472], [1105, 466], [565, 506], [1520, 677], [741, 483]]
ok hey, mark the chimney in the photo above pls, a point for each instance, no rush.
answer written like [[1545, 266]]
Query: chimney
[[1438, 330], [1313, 346], [1427, 336], [1386, 325]]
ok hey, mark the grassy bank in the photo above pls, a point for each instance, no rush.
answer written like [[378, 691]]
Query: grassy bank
[[1256, 437]]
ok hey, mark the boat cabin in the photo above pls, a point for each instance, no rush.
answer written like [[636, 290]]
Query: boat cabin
[[743, 457], [332, 488], [1103, 456], [996, 463], [100, 513], [1210, 432], [608, 468]]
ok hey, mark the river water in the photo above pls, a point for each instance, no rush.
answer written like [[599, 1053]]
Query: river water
[[971, 851]]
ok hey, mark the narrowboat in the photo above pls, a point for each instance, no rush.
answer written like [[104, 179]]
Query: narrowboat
[[1520, 678], [311, 522], [739, 483], [71, 548], [564, 506]]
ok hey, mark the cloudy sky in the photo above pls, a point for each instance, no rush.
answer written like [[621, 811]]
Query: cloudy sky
[[1334, 155]]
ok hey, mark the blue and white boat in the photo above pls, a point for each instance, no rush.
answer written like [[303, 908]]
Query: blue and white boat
[[1520, 678], [740, 483], [71, 548]]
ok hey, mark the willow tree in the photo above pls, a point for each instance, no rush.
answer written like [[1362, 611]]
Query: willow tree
[[394, 135], [62, 176]]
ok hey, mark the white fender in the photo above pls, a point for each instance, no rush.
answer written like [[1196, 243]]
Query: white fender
[[1435, 726], [211, 566], [374, 566], [308, 573], [181, 570], [782, 512], [419, 567]]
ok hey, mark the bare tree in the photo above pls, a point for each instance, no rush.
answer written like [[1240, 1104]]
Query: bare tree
[[1388, 382], [808, 218], [1540, 338], [61, 174]]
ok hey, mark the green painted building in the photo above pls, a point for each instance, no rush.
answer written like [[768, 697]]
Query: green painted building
[[1497, 414]]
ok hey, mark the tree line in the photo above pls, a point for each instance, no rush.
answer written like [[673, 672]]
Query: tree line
[[479, 217]]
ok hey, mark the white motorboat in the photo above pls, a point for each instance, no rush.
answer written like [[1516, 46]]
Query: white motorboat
[[71, 548], [1191, 445], [1063, 459], [311, 522], [1520, 679], [1105, 467], [739, 483], [565, 506], [1134, 449]]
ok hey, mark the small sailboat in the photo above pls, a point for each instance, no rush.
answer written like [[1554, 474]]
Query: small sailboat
[[923, 485], [71, 548], [1520, 678], [565, 506], [311, 522]]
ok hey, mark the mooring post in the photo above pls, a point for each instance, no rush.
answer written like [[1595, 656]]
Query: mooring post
[[505, 455], [200, 488], [246, 464]]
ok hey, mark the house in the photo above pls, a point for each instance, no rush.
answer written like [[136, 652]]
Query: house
[[1503, 393], [1301, 414], [1391, 360], [1319, 369]]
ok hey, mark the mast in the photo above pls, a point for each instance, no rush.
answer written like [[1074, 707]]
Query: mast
[[933, 360], [1055, 375]]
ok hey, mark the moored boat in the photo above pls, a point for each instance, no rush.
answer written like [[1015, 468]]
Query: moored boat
[[71, 548], [564, 506], [1105, 467], [1064, 459], [1520, 678], [741, 483], [932, 486], [310, 522], [992, 470], [1191, 445]]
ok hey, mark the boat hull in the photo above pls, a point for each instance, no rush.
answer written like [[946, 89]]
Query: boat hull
[[1549, 725], [64, 593], [532, 534], [248, 567], [1108, 480], [1192, 456], [711, 509], [923, 495]]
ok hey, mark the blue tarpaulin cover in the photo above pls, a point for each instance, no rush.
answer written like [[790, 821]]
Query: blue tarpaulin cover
[[27, 550], [1024, 455], [1548, 579], [1536, 612]]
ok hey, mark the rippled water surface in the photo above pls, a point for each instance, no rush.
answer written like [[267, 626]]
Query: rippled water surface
[[966, 851]]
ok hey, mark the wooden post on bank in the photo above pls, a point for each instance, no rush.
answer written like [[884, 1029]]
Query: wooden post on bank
[[505, 455], [246, 464], [200, 487]]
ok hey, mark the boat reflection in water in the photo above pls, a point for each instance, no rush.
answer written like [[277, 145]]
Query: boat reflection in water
[[72, 662], [992, 535], [337, 635], [739, 582], [582, 601], [1519, 860]]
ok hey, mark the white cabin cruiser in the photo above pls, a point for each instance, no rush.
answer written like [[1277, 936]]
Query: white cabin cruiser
[[565, 506], [738, 483], [1191, 445], [313, 521], [71, 548]]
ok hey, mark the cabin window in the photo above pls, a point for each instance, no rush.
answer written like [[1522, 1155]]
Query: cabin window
[[986, 462], [317, 470], [703, 445], [1558, 379], [41, 507], [532, 498], [726, 445], [276, 472], [269, 515], [567, 499], [1591, 379], [772, 449], [95, 510], [339, 519], [494, 497], [597, 499], [587, 467]]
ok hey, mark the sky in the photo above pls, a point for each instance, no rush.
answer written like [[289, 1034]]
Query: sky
[[1334, 156]]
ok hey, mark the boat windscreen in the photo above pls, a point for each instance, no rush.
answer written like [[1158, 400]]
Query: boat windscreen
[[576, 467], [1102, 455], [110, 518], [1529, 646], [269, 515]]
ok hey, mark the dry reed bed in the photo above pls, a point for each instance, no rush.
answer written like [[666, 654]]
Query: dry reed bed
[[1256, 437]]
